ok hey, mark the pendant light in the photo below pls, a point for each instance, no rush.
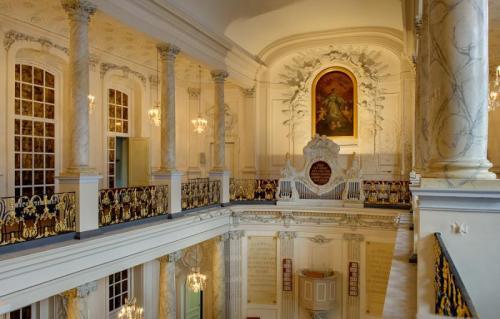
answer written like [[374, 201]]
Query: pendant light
[[154, 113], [199, 123], [196, 281]]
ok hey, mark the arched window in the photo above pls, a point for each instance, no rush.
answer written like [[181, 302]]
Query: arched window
[[34, 131], [118, 126]]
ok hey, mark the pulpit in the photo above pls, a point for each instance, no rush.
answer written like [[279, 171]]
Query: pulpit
[[317, 292]]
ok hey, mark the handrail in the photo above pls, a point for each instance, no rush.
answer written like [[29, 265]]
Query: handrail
[[39, 216], [452, 298], [119, 205]]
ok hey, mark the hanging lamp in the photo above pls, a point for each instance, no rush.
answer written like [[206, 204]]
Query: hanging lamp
[[130, 310], [196, 281], [154, 113], [199, 123]]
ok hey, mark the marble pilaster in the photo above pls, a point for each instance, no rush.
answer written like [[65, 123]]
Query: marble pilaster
[[458, 88], [249, 132], [195, 144], [79, 177], [235, 274], [286, 251], [168, 300], [219, 277], [74, 302], [353, 255], [79, 13]]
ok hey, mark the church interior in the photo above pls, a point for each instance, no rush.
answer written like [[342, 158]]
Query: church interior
[[264, 159]]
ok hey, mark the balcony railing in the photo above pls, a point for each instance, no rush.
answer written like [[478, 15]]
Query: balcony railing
[[39, 216], [452, 298], [253, 189], [387, 193], [119, 205], [200, 192]]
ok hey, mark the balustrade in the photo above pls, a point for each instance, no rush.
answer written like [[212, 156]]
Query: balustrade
[[39, 216], [452, 298], [383, 193], [119, 205], [253, 189], [200, 192]]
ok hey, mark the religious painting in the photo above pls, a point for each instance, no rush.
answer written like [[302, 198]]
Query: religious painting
[[334, 104]]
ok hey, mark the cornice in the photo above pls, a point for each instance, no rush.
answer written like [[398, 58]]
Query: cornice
[[10, 37], [389, 38]]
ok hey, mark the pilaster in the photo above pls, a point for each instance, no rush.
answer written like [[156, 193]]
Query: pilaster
[[235, 274], [287, 239], [75, 301], [168, 295], [353, 255]]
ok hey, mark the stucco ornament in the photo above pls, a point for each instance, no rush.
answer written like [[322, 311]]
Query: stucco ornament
[[298, 76]]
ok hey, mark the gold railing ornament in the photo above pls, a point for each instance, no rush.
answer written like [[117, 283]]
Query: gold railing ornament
[[199, 192], [252, 189], [394, 192], [27, 218], [119, 205], [451, 296]]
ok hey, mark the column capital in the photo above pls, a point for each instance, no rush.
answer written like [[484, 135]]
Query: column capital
[[194, 93], [85, 289], [287, 235], [219, 75], [171, 258], [167, 50], [236, 234], [249, 92], [357, 237], [79, 9]]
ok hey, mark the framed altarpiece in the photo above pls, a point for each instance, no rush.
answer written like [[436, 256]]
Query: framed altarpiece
[[334, 105]]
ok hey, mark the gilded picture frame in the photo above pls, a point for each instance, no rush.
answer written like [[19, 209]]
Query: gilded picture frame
[[335, 104]]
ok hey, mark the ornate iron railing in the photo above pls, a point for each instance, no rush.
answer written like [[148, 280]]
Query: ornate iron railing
[[252, 189], [119, 205], [387, 193], [200, 192], [39, 216], [452, 298]]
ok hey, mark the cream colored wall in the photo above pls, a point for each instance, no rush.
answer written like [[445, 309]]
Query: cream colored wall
[[493, 143], [380, 144]]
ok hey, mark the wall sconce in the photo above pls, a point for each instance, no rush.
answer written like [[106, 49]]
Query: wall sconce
[[91, 103]]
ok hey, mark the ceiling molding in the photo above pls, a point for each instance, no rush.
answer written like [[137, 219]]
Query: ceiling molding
[[389, 38]]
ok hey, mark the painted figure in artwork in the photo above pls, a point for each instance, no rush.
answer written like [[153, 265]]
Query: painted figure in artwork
[[334, 101]]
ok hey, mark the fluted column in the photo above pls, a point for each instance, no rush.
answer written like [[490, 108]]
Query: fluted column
[[219, 277], [354, 255], [168, 300], [79, 13], [219, 167], [74, 302], [458, 84], [167, 52], [235, 276], [286, 251], [79, 177]]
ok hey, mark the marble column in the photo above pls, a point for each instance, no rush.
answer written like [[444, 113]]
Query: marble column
[[287, 239], [248, 133], [353, 255], [219, 277], [79, 177], [168, 173], [195, 144], [74, 302], [458, 88], [168, 300], [235, 275], [219, 167]]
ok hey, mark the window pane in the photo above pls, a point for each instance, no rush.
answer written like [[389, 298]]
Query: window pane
[[27, 108], [49, 80], [27, 91], [38, 76], [27, 75], [49, 161], [38, 93]]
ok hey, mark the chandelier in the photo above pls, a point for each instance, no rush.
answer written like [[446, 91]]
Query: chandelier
[[493, 98], [154, 113], [130, 310], [199, 123], [91, 103], [196, 281]]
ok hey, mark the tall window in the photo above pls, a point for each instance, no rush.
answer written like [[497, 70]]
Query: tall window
[[118, 126], [34, 131], [118, 289], [23, 313]]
